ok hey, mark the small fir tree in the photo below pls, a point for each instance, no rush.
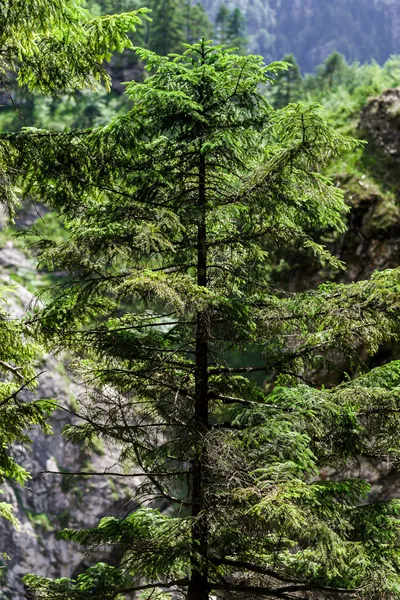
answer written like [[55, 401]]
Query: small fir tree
[[289, 84], [197, 23], [236, 31], [167, 28], [222, 23], [176, 213], [231, 27], [333, 72]]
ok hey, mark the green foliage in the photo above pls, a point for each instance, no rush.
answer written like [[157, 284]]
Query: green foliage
[[196, 23], [344, 88], [166, 31], [17, 417], [177, 212], [231, 27], [40, 520], [49, 46], [52, 46], [174, 22], [55, 46], [289, 84], [154, 594]]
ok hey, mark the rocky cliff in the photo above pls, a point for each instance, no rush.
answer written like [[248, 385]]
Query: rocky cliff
[[51, 502], [380, 120]]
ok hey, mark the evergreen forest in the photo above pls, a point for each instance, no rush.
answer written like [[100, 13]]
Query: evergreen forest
[[200, 300]]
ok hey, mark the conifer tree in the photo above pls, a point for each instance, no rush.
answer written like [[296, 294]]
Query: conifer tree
[[231, 27], [332, 72], [236, 31], [197, 23], [176, 213], [54, 46], [222, 23], [167, 28], [288, 88]]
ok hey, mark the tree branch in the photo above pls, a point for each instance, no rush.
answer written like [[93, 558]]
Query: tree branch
[[235, 370], [112, 474], [295, 585], [14, 370], [232, 400], [149, 586], [15, 394]]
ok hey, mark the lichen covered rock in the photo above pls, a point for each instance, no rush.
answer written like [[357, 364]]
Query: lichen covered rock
[[50, 502], [380, 119]]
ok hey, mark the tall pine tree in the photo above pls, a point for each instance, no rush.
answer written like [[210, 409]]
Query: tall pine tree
[[289, 84], [166, 30], [230, 27], [176, 213]]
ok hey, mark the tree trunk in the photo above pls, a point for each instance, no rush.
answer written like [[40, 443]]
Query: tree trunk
[[198, 587]]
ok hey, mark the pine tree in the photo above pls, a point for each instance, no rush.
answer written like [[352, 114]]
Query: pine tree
[[222, 24], [333, 71], [166, 30], [197, 23], [288, 88], [231, 27], [236, 31], [176, 213], [54, 46]]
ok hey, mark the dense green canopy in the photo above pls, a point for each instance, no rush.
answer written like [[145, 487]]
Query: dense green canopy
[[54, 46], [51, 46], [176, 214]]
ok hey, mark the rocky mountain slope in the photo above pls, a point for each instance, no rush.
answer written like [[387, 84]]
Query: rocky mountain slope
[[51, 502], [311, 29]]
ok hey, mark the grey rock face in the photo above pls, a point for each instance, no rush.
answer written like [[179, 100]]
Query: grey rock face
[[381, 120], [48, 502], [11, 257], [125, 67]]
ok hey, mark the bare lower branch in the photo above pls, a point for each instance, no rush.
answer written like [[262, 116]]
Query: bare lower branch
[[293, 584], [14, 370], [15, 394], [112, 474], [232, 400], [149, 586]]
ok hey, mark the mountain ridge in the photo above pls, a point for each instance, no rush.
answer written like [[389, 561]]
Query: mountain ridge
[[362, 30]]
